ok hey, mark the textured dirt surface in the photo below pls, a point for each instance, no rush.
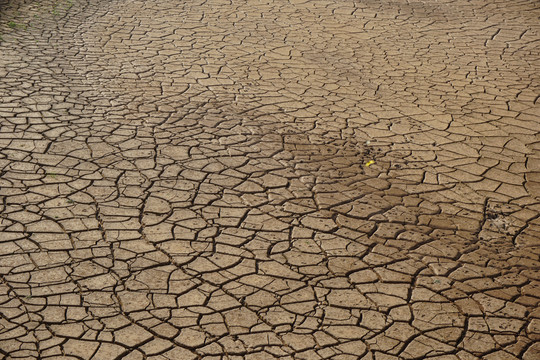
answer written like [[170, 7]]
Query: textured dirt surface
[[278, 179]]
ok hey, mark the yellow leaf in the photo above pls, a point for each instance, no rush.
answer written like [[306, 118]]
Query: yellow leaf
[[370, 162]]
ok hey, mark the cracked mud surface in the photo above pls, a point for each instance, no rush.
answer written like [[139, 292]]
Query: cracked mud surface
[[188, 180]]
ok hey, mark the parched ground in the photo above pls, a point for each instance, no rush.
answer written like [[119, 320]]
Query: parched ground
[[270, 179]]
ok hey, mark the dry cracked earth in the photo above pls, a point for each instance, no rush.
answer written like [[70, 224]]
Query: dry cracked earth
[[256, 179]]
